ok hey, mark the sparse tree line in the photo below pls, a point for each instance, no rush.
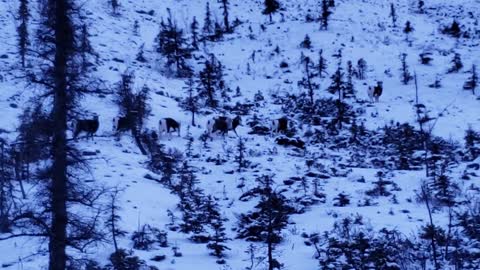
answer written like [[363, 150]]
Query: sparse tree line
[[43, 138]]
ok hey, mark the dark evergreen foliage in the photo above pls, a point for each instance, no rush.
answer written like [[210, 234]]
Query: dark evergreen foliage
[[115, 5], [352, 245], [453, 30], [271, 7], [22, 29], [456, 63], [266, 222], [226, 23], [194, 32], [307, 81], [306, 43], [406, 77], [208, 25], [322, 64], [173, 45], [133, 105], [211, 81], [472, 144], [361, 69], [123, 260], [393, 14], [472, 82], [325, 14]]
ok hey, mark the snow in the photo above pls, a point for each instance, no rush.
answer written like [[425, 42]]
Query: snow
[[144, 201]]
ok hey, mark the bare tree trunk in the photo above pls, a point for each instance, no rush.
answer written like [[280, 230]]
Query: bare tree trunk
[[58, 236], [225, 16], [426, 197]]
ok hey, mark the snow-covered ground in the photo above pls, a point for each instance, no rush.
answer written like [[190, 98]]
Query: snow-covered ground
[[360, 28]]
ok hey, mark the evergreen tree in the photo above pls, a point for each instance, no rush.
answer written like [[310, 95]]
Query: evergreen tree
[[208, 27], [133, 105], [191, 201], [472, 143], [7, 193], [190, 103], [338, 85], [218, 239], [445, 191], [115, 6], [361, 69], [457, 63], [140, 57], [421, 6], [408, 28], [240, 157], [349, 90], [173, 45], [215, 221], [22, 30], [325, 15], [226, 23], [306, 43], [194, 31], [210, 80], [60, 192], [271, 6], [472, 82], [218, 32], [113, 219], [268, 220], [393, 14], [322, 64], [454, 30], [307, 81], [86, 48], [406, 76]]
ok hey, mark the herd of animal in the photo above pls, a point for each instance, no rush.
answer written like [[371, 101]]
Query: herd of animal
[[220, 124]]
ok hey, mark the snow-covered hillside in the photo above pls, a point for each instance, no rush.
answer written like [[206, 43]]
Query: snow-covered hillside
[[311, 178]]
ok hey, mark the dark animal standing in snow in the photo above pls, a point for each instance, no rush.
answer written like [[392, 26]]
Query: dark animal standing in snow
[[89, 126], [121, 123], [279, 125], [375, 92], [223, 124], [168, 124]]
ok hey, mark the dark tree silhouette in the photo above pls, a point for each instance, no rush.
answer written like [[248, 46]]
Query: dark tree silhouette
[[456, 63], [226, 23], [472, 82], [306, 43], [393, 14], [325, 15], [173, 45], [60, 73], [266, 222], [322, 64], [208, 25], [271, 6], [115, 6], [190, 103], [22, 30], [307, 81], [406, 76], [453, 30], [210, 80], [194, 32]]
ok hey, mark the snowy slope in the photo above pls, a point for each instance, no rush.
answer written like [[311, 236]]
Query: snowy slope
[[361, 29]]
